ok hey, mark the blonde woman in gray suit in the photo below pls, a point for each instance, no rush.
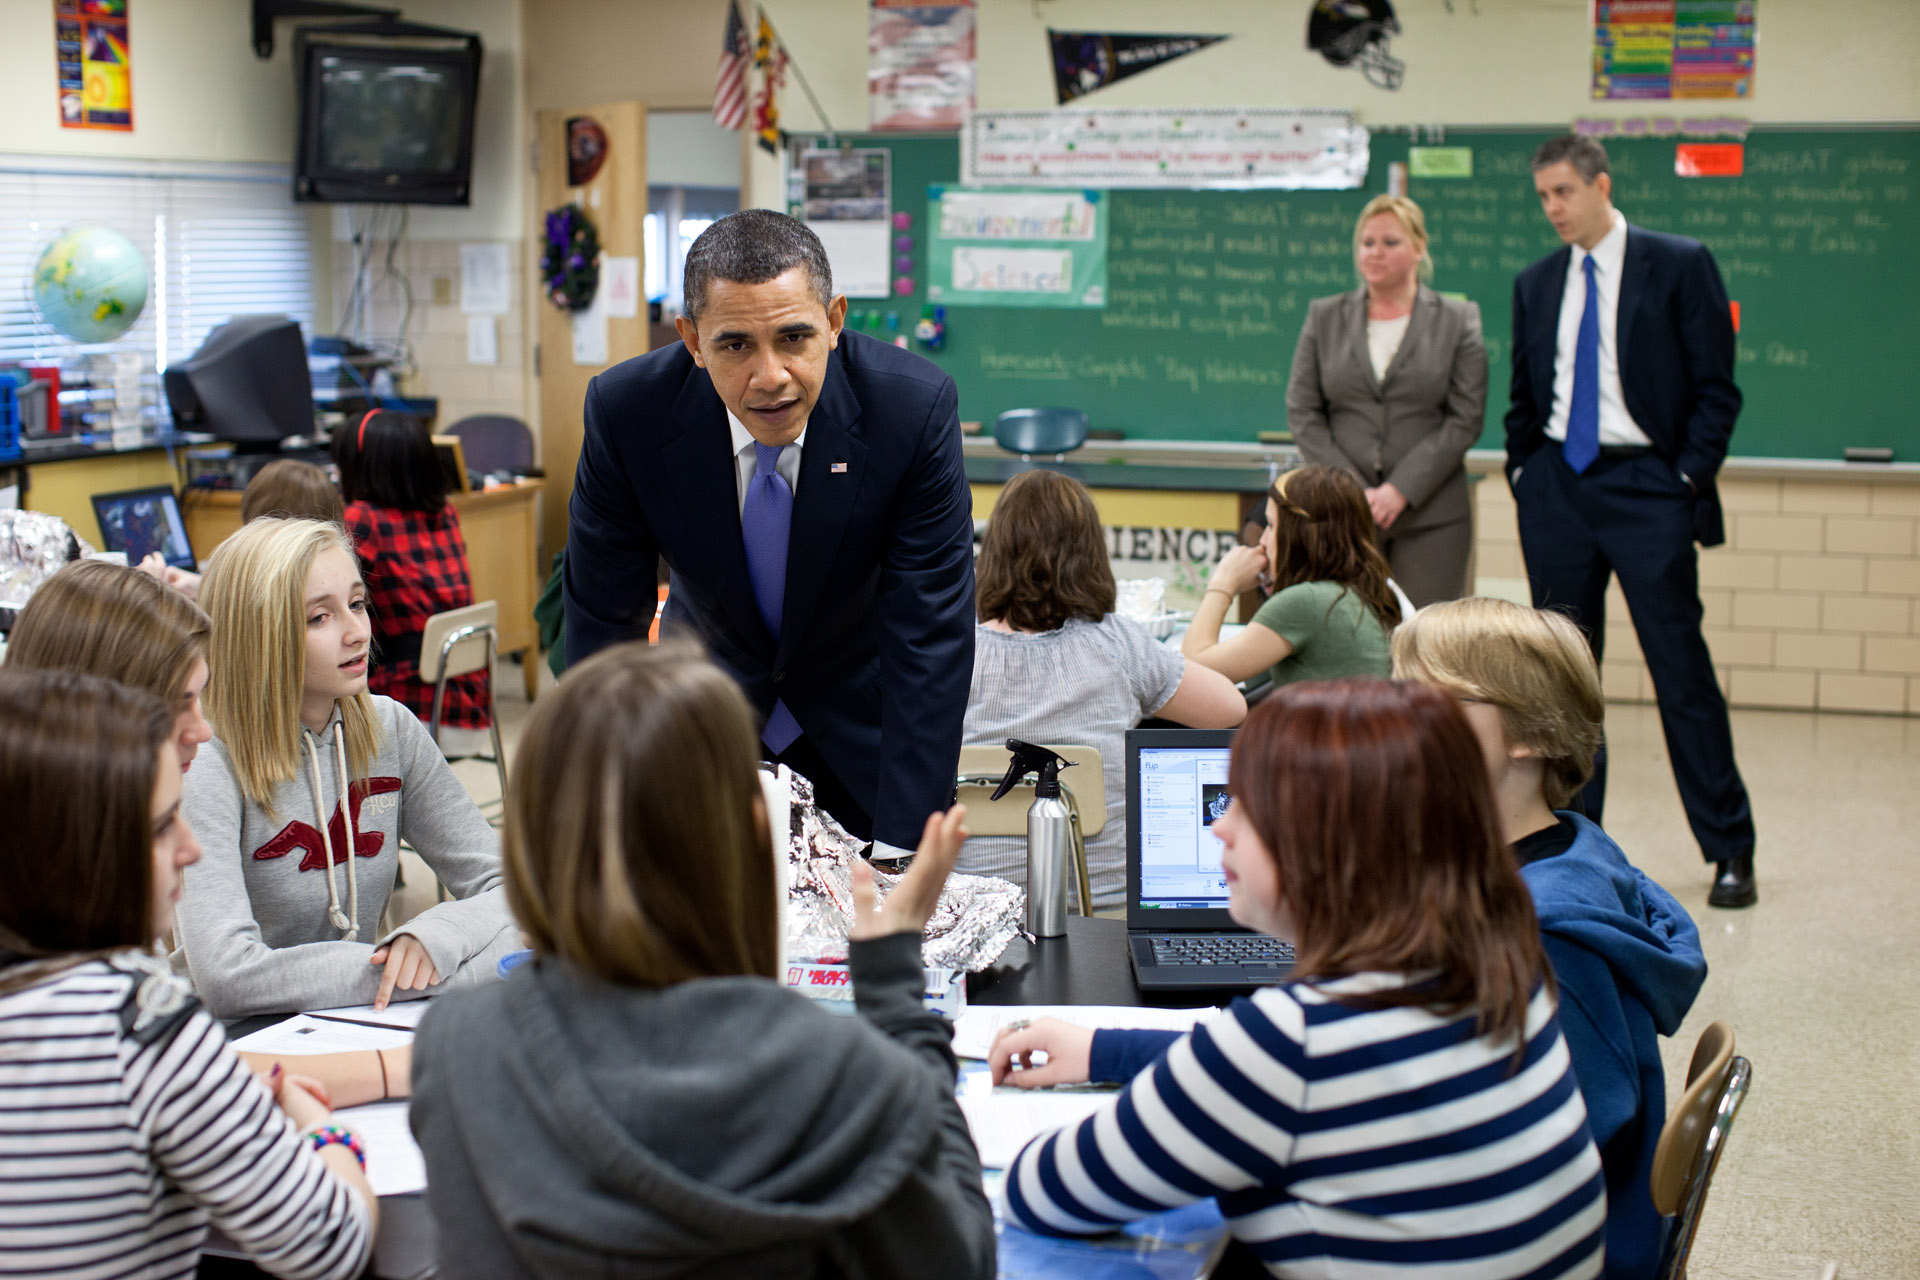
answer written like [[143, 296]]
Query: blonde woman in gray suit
[[1389, 384]]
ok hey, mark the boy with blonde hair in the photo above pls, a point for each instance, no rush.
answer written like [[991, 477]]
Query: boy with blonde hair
[[1625, 952]]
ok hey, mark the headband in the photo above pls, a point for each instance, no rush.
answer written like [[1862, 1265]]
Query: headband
[[360, 441]]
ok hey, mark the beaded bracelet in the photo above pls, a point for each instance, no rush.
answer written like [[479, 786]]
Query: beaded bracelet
[[324, 1135]]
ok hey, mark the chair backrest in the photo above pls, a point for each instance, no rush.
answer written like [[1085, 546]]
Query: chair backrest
[[494, 442], [1693, 1139], [1007, 816], [472, 625], [1029, 431]]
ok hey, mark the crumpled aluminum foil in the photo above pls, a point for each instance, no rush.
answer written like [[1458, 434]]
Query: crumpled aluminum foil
[[977, 916], [33, 547]]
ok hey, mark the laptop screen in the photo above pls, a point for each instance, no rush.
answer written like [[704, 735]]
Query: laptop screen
[[1177, 786], [142, 521]]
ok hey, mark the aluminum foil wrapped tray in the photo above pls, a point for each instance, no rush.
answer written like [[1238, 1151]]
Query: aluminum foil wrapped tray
[[976, 918], [33, 547]]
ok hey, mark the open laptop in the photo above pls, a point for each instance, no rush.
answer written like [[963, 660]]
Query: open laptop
[[142, 521], [1179, 936]]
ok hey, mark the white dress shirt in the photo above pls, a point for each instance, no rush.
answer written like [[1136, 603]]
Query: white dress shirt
[[1609, 257], [744, 460]]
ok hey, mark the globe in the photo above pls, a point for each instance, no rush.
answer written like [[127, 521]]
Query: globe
[[90, 284]]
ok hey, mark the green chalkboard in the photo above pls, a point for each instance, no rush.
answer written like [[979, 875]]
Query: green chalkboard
[[1819, 243]]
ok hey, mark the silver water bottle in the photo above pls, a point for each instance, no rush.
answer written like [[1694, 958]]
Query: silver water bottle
[[1049, 836]]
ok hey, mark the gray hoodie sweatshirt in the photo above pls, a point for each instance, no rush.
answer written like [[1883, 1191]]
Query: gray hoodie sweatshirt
[[265, 925], [722, 1127]]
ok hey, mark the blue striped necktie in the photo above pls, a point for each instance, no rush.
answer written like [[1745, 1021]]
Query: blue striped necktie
[[766, 525], [1583, 414]]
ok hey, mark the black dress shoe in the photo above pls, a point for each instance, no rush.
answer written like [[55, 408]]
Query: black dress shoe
[[1733, 887]]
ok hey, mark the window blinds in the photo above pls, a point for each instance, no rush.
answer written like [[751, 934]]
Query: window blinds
[[222, 239]]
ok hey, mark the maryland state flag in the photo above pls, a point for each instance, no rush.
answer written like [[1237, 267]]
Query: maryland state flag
[[1087, 60], [771, 57]]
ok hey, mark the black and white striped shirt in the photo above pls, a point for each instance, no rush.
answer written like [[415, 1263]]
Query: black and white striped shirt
[[127, 1123], [1344, 1142]]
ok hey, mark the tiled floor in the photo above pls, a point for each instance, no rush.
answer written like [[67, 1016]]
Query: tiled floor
[[1821, 982]]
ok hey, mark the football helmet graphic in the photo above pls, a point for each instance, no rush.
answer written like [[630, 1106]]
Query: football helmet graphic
[[1351, 33]]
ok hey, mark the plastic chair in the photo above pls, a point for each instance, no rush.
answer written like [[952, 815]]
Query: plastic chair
[[457, 643], [981, 769], [494, 443], [1693, 1138], [1030, 431]]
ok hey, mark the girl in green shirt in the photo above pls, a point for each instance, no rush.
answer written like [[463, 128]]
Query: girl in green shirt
[[1331, 608]]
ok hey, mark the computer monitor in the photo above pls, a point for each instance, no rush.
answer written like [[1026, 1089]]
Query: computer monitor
[[1176, 791], [248, 384], [139, 522]]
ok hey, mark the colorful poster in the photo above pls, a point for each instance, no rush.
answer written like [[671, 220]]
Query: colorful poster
[[1087, 60], [1647, 49], [1164, 147], [1017, 248], [919, 64], [94, 64]]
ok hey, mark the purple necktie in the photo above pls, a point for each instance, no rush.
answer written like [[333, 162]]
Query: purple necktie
[[766, 523], [1583, 412]]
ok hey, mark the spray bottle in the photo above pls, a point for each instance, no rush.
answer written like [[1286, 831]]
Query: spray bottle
[[1049, 836]]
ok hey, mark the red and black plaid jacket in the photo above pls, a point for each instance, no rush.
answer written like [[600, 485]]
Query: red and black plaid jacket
[[415, 565]]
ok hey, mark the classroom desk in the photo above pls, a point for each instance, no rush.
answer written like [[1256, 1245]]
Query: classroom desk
[[1088, 965], [501, 528]]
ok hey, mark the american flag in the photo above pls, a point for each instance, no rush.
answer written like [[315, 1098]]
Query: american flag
[[730, 83]]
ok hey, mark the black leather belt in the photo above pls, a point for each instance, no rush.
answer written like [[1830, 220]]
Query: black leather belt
[[1624, 450]]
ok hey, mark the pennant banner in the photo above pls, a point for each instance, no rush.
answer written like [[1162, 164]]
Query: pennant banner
[[1084, 61], [1164, 147]]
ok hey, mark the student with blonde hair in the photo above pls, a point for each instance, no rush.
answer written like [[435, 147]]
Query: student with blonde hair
[[1332, 605], [284, 910], [111, 621], [127, 1124], [645, 1097], [1625, 952]]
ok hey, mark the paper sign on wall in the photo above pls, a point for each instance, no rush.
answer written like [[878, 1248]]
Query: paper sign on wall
[[1017, 248], [620, 286], [1165, 147]]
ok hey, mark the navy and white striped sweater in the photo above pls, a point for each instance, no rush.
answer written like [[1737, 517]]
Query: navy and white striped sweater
[[118, 1143], [1341, 1141]]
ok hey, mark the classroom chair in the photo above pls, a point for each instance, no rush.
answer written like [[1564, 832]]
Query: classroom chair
[[1082, 787], [457, 643], [1030, 431], [494, 443], [1693, 1138]]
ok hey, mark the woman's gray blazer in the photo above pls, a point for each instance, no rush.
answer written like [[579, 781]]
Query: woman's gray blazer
[[1412, 428]]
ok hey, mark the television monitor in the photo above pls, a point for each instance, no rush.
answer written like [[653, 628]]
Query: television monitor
[[139, 522], [248, 384], [386, 122]]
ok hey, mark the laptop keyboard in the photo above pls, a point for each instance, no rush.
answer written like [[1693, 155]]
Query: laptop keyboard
[[1221, 948]]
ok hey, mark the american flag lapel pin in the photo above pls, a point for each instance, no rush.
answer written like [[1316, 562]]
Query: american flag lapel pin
[[837, 469]]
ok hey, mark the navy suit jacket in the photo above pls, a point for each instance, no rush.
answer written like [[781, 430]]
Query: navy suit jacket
[[1675, 335], [876, 647]]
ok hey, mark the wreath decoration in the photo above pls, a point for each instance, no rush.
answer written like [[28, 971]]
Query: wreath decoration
[[570, 264]]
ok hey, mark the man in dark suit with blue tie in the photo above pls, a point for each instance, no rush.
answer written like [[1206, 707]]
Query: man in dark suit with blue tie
[[804, 484], [1622, 405]]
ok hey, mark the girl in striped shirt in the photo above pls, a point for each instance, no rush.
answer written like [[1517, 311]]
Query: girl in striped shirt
[[1405, 1105], [127, 1124]]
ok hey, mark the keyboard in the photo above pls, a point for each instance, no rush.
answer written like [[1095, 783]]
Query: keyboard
[[1220, 948]]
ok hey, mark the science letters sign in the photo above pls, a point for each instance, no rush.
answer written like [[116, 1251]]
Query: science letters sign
[[1164, 147]]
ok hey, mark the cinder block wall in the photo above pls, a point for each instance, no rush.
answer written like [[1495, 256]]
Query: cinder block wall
[[1814, 601]]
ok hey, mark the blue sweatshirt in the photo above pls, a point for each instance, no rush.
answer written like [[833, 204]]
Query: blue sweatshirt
[[1627, 957]]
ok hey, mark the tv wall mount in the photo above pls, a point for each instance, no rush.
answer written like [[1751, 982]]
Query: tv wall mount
[[385, 22]]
